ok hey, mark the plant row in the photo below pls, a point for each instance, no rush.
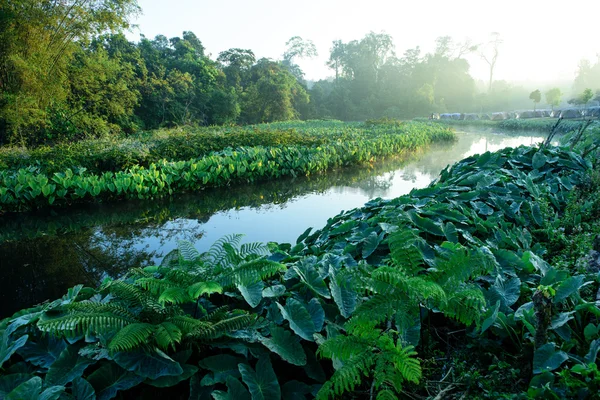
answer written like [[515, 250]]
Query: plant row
[[537, 125], [444, 291], [29, 188]]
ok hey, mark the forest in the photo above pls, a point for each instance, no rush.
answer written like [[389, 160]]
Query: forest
[[68, 72]]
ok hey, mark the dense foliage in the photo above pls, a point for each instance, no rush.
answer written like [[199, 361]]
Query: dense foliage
[[537, 124], [67, 72], [342, 144], [458, 289]]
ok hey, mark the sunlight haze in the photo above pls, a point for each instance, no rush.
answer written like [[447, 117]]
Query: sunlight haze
[[543, 42]]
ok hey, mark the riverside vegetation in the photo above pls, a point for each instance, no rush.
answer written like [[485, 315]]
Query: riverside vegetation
[[480, 285], [156, 165]]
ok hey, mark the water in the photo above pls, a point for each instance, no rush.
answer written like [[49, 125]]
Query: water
[[43, 254]]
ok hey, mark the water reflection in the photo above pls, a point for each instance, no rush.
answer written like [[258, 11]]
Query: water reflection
[[42, 255]]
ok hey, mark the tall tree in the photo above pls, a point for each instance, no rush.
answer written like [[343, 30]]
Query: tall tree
[[554, 97], [298, 48], [489, 54], [536, 96]]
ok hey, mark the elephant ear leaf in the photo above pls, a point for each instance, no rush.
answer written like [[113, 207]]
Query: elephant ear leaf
[[286, 345], [68, 366], [263, 384], [82, 390], [8, 346], [299, 318], [236, 391], [28, 390], [110, 378], [546, 358]]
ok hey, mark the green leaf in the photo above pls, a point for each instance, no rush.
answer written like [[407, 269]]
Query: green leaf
[[370, 244], [263, 383], [28, 390], [307, 272], [82, 390], [450, 232], [317, 314], [299, 318], [343, 294], [590, 331], [536, 213], [167, 335], [491, 316], [8, 347], [252, 293], [200, 288], [539, 160], [168, 381], [285, 344], [507, 291], [221, 366], [68, 366], [304, 235], [546, 358], [568, 287], [236, 391], [150, 365], [425, 224], [274, 291], [110, 378], [43, 352], [591, 356], [52, 393], [10, 381]]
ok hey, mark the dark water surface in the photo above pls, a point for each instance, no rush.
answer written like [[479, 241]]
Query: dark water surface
[[43, 254]]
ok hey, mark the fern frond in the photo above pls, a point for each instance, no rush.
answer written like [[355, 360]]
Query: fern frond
[[174, 295], [187, 252], [216, 254], [224, 327], [346, 378], [137, 273], [188, 324], [182, 277], [379, 308], [406, 363], [465, 305], [344, 347], [84, 323], [217, 314], [250, 272], [404, 252], [94, 307], [154, 285], [421, 290], [386, 394], [131, 337], [134, 295], [199, 288], [167, 335], [257, 248]]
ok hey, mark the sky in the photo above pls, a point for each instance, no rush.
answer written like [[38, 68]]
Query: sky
[[543, 41]]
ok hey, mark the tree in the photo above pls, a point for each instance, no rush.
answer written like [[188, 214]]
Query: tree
[[536, 96], [586, 96], [554, 97], [39, 40], [336, 57], [298, 48], [492, 54]]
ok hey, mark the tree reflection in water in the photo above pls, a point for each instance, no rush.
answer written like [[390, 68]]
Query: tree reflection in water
[[43, 254]]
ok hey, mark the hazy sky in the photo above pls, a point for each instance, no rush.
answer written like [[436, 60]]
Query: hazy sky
[[543, 40]]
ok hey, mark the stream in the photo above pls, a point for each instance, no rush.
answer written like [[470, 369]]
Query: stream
[[42, 254]]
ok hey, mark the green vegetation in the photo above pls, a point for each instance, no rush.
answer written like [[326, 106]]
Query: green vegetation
[[69, 73], [536, 97], [341, 144], [463, 288], [535, 124], [554, 97]]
